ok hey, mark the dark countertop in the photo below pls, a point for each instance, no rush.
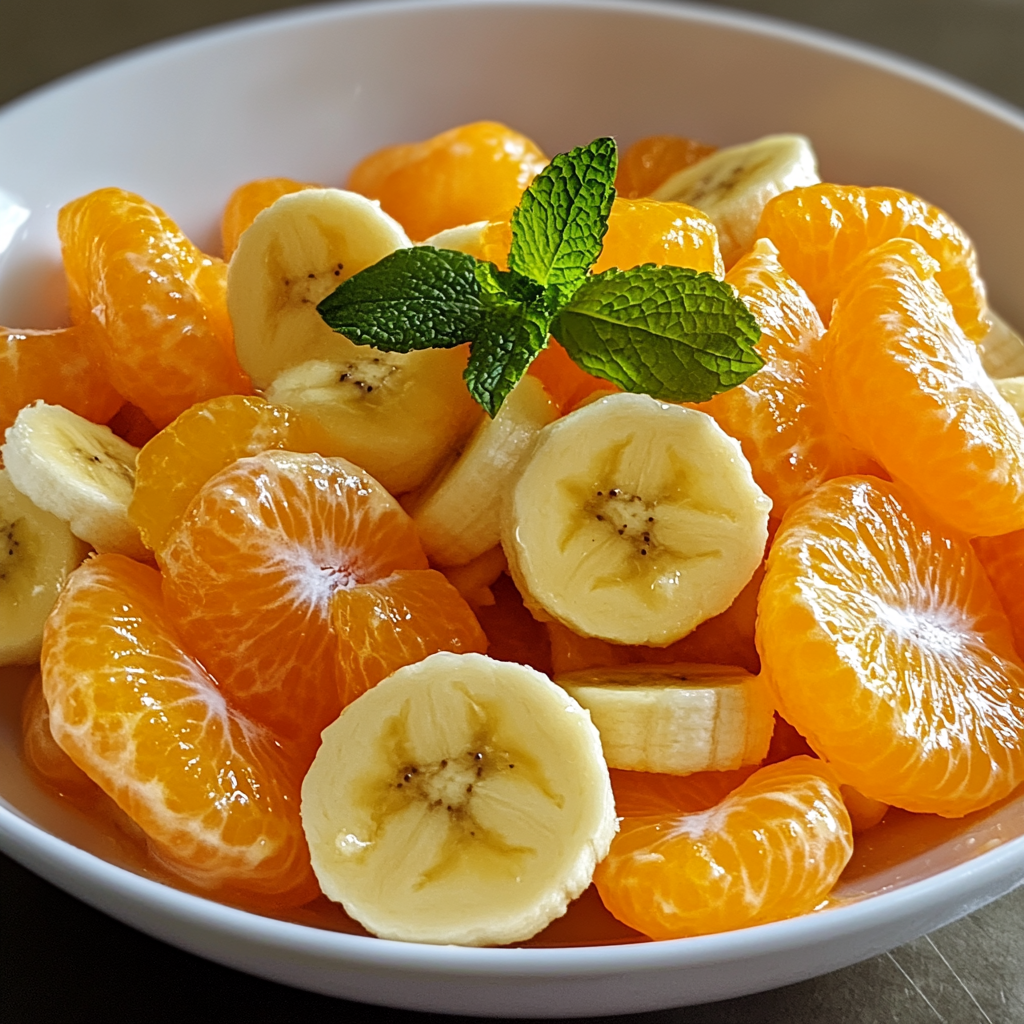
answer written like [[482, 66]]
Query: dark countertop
[[63, 961]]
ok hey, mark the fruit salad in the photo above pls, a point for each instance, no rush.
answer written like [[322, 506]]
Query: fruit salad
[[499, 529]]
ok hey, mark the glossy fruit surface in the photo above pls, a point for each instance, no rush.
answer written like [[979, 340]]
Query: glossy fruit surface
[[822, 230], [907, 387], [157, 303], [249, 200], [650, 162], [250, 569], [146, 722], [386, 624], [885, 645], [771, 849], [474, 172]]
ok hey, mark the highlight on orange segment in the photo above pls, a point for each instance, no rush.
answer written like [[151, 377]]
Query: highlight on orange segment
[[822, 230], [203, 440], [650, 162], [1003, 559], [564, 381], [474, 172], [249, 200], [667, 234], [726, 639], [780, 415], [907, 387], [156, 302], [773, 848], [885, 645], [61, 367], [131, 424], [648, 794], [250, 569], [218, 802], [386, 624]]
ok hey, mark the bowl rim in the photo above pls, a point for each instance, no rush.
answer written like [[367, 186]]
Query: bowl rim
[[986, 875]]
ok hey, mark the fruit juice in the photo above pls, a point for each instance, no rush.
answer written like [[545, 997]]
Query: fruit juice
[[312, 523]]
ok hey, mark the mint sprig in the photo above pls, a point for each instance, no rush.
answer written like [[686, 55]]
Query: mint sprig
[[669, 332]]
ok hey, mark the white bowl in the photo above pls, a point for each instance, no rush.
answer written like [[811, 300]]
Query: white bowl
[[305, 95]]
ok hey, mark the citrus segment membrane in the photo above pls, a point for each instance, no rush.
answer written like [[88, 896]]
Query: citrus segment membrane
[[907, 387], [773, 848], [250, 569], [147, 723], [886, 647]]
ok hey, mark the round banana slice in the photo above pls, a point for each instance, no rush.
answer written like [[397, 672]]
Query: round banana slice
[[397, 416], [634, 521], [459, 517], [295, 253], [461, 800], [676, 719], [79, 471], [733, 185], [37, 552]]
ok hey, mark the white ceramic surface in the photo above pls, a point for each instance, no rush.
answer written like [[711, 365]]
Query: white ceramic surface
[[305, 95]]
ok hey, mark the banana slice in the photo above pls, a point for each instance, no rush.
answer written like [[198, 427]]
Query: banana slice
[[37, 552], [295, 253], [733, 185], [676, 719], [634, 521], [467, 238], [461, 800], [79, 471], [459, 517], [1002, 350], [1012, 389], [397, 416]]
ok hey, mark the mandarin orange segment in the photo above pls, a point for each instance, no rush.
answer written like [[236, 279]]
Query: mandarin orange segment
[[513, 634], [649, 794], [60, 367], [148, 724], [396, 621], [650, 162], [156, 301], [474, 172], [780, 415], [202, 441], [132, 425], [864, 812], [249, 200], [773, 848], [564, 381], [907, 387], [822, 230], [666, 234], [885, 645], [250, 569], [1003, 559]]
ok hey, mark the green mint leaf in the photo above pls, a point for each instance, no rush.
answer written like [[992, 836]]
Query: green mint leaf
[[509, 337], [558, 227], [413, 299], [669, 332]]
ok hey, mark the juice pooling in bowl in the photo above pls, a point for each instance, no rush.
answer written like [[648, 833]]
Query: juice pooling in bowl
[[477, 580]]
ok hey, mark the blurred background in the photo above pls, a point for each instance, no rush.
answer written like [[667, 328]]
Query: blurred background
[[62, 961]]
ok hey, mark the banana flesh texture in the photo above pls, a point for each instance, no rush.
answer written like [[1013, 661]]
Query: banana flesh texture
[[467, 238], [461, 800], [295, 253], [676, 719], [1012, 390], [459, 517], [733, 185], [634, 520], [1002, 350], [79, 471], [399, 417], [37, 551]]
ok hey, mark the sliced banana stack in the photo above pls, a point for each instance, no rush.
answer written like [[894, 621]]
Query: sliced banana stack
[[79, 471], [634, 521], [461, 800], [733, 185], [676, 719], [397, 416], [459, 516], [1002, 350], [37, 552]]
